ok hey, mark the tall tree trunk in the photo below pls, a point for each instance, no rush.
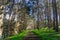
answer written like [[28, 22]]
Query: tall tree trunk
[[55, 17], [48, 15], [38, 16]]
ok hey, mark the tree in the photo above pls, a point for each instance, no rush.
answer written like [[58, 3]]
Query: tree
[[48, 13], [55, 15]]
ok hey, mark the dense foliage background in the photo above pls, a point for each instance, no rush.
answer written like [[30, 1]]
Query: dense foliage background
[[19, 15]]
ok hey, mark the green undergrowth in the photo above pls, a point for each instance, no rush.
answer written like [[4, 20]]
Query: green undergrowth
[[59, 27], [43, 33], [47, 34], [18, 36]]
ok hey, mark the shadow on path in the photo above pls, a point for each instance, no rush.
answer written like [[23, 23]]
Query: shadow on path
[[31, 36]]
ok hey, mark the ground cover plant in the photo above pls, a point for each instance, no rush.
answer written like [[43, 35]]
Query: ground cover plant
[[43, 33]]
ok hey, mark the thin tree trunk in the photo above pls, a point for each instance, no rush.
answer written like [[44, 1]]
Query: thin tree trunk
[[49, 15], [38, 16]]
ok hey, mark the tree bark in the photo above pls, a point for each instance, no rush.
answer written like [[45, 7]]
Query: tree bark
[[55, 16]]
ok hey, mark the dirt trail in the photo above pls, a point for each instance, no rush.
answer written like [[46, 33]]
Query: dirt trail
[[31, 36]]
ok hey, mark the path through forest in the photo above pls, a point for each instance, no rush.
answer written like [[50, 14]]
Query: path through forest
[[31, 36]]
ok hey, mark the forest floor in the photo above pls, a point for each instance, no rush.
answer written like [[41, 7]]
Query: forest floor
[[42, 34], [31, 36]]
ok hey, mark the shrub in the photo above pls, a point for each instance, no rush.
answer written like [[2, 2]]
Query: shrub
[[45, 33], [18, 36]]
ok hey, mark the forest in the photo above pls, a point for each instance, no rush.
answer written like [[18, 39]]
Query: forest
[[29, 19]]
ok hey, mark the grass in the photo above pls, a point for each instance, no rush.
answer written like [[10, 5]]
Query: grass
[[43, 33], [59, 27], [19, 36], [47, 34]]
